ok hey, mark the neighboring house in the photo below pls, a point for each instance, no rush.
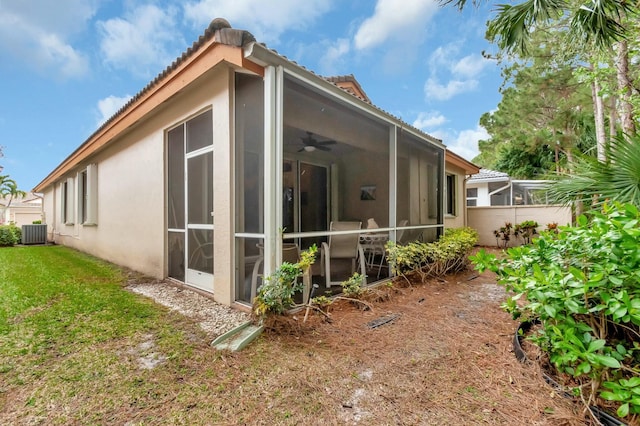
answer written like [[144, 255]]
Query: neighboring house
[[20, 210], [231, 153], [493, 188], [494, 199]]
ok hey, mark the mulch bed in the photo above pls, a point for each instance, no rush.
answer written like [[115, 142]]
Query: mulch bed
[[439, 353]]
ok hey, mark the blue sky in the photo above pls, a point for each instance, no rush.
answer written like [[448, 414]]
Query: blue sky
[[67, 65]]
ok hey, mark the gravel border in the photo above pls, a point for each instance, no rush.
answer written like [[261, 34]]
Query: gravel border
[[214, 318]]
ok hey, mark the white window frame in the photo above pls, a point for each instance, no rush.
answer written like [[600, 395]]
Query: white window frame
[[66, 204], [472, 198], [90, 195]]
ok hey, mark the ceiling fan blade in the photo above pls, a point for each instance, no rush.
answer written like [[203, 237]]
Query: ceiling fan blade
[[322, 148], [326, 143], [301, 149]]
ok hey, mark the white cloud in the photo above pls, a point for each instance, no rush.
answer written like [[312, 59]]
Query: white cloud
[[469, 66], [441, 92], [263, 19], [465, 71], [109, 106], [464, 142], [333, 55], [429, 120], [38, 31], [141, 41], [394, 19]]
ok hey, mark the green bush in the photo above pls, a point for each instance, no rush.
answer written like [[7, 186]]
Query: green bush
[[583, 285], [447, 255], [353, 287], [9, 235], [276, 294]]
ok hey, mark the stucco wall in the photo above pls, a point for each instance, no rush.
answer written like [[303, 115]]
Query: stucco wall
[[131, 229], [486, 219], [459, 219]]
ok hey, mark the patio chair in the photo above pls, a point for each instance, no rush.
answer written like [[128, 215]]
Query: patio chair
[[290, 253], [373, 246], [401, 233], [342, 247]]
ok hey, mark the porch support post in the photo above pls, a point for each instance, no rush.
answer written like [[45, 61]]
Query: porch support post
[[272, 164], [393, 178]]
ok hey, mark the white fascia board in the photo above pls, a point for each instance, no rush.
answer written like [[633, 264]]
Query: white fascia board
[[487, 180], [532, 182], [263, 56]]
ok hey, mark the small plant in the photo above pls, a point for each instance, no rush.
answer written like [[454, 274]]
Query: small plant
[[526, 230], [36, 222], [9, 235], [276, 294], [322, 302], [353, 286], [503, 235]]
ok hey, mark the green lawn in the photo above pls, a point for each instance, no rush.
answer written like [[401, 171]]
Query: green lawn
[[76, 347], [72, 340]]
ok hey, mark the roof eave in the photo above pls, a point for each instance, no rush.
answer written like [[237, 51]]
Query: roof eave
[[458, 161]]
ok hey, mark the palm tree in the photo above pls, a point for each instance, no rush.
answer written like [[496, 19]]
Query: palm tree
[[592, 21], [9, 188], [594, 182]]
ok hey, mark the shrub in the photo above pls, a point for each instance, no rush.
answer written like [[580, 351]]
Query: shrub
[[36, 222], [583, 285], [526, 230], [447, 255], [503, 235], [276, 294], [353, 286], [9, 235]]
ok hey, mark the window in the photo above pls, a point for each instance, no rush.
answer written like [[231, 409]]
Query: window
[[472, 197], [82, 196], [451, 195], [87, 195], [66, 204]]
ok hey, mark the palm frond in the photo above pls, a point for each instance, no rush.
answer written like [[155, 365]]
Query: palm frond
[[513, 23], [594, 182], [598, 21]]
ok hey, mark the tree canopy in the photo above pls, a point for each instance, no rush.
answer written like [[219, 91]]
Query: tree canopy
[[592, 22]]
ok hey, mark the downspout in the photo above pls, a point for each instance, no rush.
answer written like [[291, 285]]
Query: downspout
[[464, 199]]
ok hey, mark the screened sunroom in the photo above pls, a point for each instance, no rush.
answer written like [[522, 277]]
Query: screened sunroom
[[317, 165]]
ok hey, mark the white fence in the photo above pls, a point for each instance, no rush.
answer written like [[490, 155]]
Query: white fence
[[487, 219]]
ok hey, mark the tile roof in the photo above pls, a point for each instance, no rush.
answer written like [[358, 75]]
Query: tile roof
[[218, 28], [337, 80], [487, 174]]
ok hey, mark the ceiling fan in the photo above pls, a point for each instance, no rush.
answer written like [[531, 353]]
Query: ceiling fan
[[311, 144]]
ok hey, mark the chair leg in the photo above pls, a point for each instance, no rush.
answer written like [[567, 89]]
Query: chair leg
[[254, 279], [363, 267]]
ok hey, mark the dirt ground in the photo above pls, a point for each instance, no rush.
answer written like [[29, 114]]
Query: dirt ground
[[446, 359]]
